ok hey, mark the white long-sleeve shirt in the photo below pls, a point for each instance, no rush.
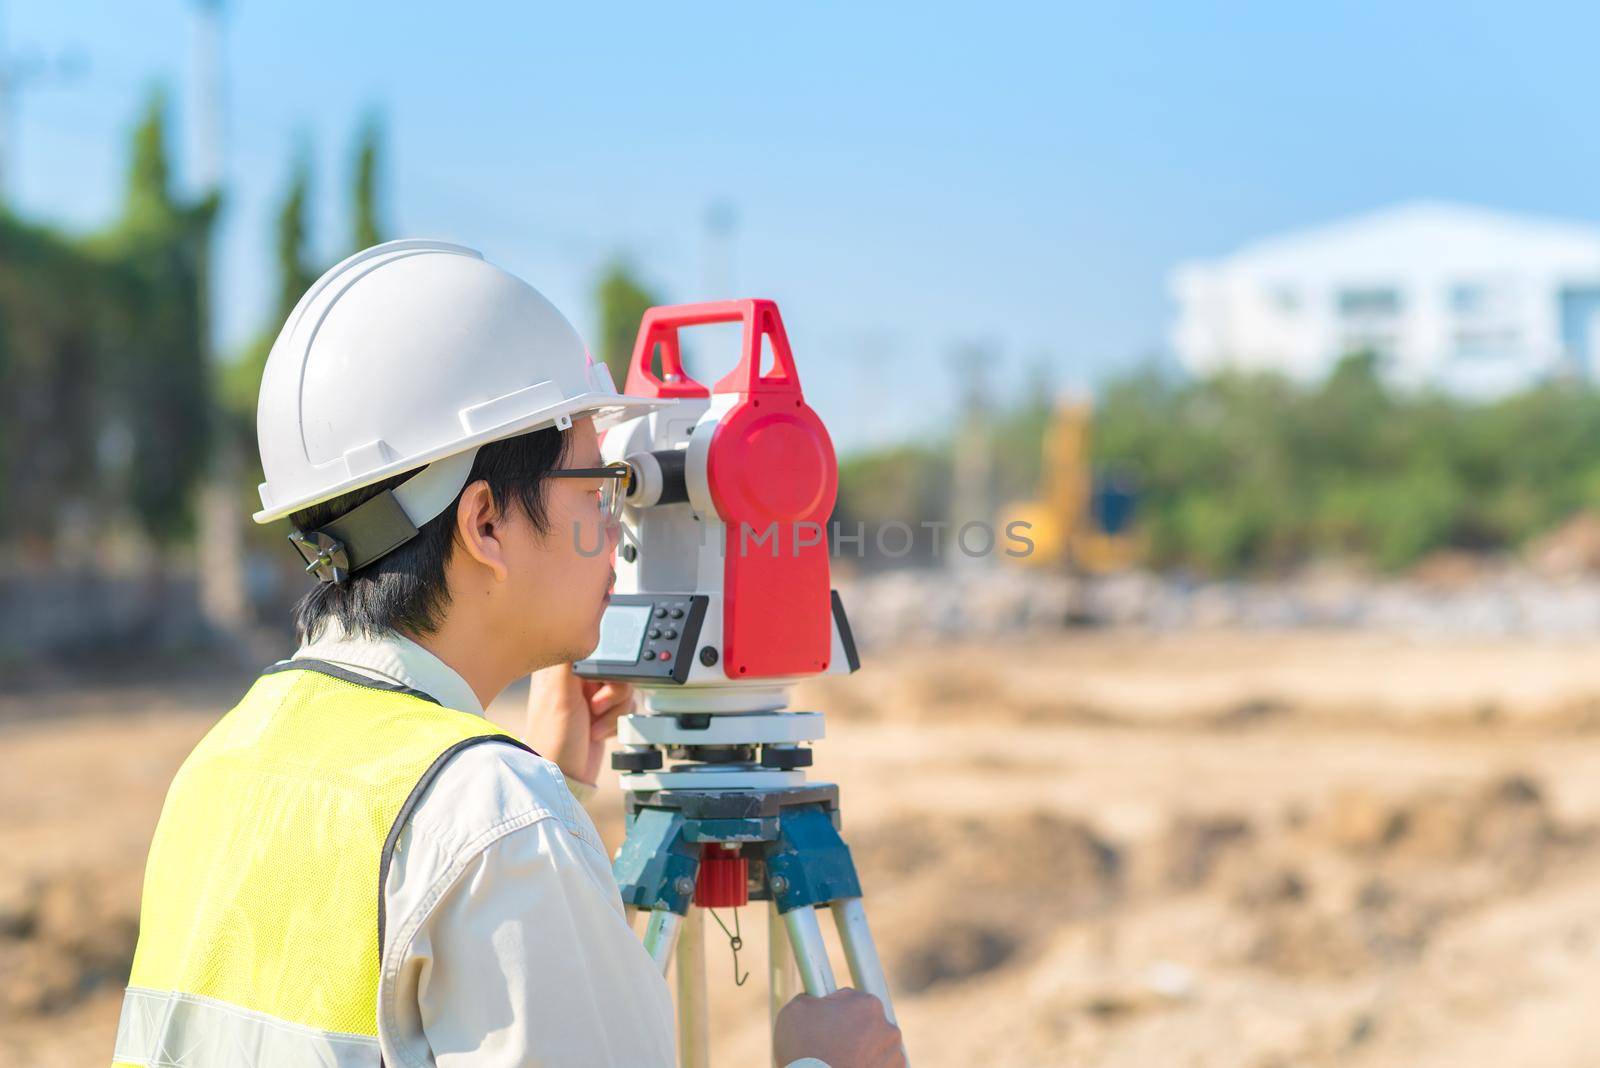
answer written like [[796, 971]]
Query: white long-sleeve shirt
[[506, 943]]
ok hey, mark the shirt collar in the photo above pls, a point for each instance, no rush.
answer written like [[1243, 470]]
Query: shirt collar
[[394, 658]]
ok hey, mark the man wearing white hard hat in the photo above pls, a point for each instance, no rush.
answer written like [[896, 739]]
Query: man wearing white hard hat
[[355, 867]]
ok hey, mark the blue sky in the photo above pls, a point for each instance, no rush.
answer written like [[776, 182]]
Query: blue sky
[[908, 178]]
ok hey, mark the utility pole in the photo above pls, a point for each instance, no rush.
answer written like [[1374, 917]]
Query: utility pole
[[972, 497], [208, 102], [17, 74], [224, 597]]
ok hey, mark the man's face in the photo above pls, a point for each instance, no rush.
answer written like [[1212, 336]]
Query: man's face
[[562, 580]]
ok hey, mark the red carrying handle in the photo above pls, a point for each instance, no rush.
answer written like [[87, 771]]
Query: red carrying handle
[[660, 326]]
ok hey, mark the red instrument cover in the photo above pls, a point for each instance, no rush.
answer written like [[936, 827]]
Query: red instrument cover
[[773, 477]]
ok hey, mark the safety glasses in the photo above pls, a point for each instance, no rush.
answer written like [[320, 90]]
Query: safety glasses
[[615, 478]]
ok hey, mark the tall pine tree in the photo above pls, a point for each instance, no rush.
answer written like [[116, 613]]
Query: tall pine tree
[[622, 300], [295, 269], [369, 229]]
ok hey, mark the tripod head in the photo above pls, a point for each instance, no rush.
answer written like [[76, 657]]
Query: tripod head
[[723, 597]]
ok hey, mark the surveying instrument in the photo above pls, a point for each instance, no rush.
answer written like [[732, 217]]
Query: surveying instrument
[[722, 603]]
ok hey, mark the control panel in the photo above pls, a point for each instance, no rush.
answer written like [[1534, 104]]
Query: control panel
[[646, 636]]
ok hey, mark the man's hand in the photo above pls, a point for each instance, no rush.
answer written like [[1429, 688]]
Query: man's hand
[[569, 719], [846, 1029]]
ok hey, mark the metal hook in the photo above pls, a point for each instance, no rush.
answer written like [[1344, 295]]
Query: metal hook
[[734, 941]]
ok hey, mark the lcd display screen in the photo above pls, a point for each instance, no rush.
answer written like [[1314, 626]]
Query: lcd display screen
[[622, 632]]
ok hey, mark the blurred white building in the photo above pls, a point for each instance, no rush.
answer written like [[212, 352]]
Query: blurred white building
[[1476, 302]]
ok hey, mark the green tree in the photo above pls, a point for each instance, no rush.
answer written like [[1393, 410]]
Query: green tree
[[908, 483], [104, 380], [369, 228], [622, 300], [295, 273], [147, 201], [295, 270], [1245, 472], [155, 370]]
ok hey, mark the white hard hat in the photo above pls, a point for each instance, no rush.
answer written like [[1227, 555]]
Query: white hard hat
[[416, 353]]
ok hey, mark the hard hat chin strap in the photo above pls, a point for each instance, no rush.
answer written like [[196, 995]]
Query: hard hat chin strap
[[377, 527]]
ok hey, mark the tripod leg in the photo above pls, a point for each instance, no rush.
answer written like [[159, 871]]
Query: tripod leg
[[782, 980], [866, 970], [694, 1022], [661, 935], [810, 953]]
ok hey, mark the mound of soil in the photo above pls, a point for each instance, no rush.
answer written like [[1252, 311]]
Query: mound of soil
[[958, 898], [62, 938]]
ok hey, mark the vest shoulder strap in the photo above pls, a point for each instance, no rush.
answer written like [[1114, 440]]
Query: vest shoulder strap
[[414, 797], [323, 667]]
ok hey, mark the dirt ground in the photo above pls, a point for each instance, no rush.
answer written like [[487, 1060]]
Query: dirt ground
[[1101, 849]]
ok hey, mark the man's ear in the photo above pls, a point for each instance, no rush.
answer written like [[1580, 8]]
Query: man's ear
[[480, 528]]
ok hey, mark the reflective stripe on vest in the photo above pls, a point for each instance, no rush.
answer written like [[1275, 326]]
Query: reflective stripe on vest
[[163, 1029], [260, 927]]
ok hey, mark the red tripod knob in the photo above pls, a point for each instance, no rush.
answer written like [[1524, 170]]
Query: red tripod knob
[[723, 882]]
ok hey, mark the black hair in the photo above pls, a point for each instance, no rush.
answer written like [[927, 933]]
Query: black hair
[[406, 591]]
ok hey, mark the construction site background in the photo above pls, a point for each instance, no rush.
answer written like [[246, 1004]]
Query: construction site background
[[1279, 748]]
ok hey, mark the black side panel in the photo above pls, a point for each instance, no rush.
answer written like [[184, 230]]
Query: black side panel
[[691, 639], [679, 650], [845, 637]]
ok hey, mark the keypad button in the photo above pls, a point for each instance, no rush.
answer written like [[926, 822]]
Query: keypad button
[[649, 654], [661, 613], [666, 654], [655, 632], [677, 613], [668, 633]]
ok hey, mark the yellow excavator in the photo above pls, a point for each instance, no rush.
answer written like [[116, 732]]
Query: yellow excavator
[[1080, 520]]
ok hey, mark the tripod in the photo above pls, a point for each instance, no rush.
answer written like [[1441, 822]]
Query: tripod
[[688, 849]]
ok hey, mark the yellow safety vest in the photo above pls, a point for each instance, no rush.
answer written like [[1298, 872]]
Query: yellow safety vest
[[261, 925]]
